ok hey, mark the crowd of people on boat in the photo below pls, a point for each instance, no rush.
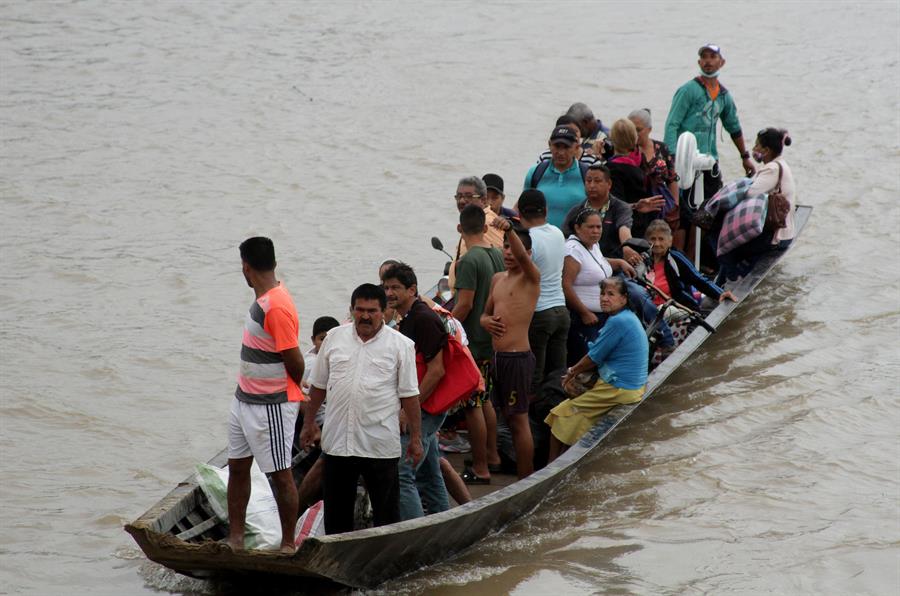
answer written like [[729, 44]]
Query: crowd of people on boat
[[562, 302]]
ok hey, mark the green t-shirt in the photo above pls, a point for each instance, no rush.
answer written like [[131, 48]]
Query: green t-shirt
[[474, 271]]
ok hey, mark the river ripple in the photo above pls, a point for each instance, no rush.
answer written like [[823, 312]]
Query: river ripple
[[143, 141]]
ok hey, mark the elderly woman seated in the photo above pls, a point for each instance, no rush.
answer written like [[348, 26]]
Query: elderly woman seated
[[619, 354], [673, 273]]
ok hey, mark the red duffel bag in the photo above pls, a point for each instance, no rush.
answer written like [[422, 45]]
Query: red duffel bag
[[461, 377]]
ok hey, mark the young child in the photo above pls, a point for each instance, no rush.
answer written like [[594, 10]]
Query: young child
[[310, 489], [507, 316], [320, 329]]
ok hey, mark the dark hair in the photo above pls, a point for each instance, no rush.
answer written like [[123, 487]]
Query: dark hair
[[402, 273], [472, 218], [773, 139], [617, 282], [523, 235], [582, 216], [386, 265], [369, 292], [324, 324], [565, 119], [599, 167], [259, 253], [532, 203]]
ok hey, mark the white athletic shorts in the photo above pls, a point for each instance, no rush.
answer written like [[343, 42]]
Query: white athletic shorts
[[265, 432]]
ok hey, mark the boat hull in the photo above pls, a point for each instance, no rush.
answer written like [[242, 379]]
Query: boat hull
[[366, 558]]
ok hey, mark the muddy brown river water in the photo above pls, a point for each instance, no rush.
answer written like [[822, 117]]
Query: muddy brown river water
[[142, 141]]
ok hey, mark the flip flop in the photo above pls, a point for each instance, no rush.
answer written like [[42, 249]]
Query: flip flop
[[492, 468], [469, 477]]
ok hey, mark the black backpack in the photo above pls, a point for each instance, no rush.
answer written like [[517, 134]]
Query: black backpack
[[542, 168]]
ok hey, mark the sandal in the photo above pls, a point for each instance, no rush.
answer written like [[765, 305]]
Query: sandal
[[469, 477], [492, 468]]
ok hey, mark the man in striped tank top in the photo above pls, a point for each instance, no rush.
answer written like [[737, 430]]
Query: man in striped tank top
[[267, 399]]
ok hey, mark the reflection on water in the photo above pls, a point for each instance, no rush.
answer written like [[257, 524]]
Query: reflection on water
[[142, 142]]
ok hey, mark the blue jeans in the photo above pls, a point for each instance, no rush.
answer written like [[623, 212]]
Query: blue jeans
[[640, 298], [425, 481]]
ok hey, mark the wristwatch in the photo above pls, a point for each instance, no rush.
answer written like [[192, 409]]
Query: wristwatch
[[745, 155]]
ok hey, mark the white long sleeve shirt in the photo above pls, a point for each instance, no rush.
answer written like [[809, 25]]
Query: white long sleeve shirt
[[766, 179]]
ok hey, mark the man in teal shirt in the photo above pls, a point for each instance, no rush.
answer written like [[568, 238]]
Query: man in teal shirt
[[696, 107], [560, 178]]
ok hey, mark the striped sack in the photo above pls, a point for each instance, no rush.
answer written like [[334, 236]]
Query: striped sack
[[743, 223]]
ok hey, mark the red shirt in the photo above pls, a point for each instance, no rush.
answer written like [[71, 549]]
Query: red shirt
[[658, 278]]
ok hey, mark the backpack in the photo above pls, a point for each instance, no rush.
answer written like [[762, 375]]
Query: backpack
[[542, 168], [779, 207]]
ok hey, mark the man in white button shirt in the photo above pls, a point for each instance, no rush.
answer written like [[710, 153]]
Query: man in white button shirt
[[368, 372]]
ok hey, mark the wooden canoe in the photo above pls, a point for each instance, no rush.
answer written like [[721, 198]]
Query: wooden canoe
[[181, 532]]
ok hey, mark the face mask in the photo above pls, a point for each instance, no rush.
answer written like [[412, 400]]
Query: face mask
[[758, 156], [711, 75]]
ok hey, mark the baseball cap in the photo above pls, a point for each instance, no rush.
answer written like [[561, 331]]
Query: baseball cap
[[710, 46], [563, 133], [493, 181]]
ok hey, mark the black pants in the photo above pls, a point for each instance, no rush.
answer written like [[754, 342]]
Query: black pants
[[548, 335], [341, 475]]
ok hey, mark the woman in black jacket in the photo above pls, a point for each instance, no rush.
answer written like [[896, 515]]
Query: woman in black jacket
[[673, 273], [628, 180]]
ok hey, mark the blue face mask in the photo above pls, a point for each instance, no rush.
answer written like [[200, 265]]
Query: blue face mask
[[758, 156], [712, 75]]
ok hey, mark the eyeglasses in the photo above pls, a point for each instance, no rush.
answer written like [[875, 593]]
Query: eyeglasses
[[467, 197]]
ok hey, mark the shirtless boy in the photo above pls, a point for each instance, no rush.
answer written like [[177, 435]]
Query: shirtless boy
[[507, 316]]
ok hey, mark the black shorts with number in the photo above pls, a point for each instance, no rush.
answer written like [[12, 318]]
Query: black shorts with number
[[512, 372]]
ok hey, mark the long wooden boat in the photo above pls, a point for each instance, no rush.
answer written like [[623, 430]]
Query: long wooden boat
[[181, 531]]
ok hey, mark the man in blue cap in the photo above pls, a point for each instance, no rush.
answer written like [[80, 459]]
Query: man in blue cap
[[561, 178]]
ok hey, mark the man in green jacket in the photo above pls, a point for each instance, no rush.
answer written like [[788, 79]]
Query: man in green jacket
[[696, 107]]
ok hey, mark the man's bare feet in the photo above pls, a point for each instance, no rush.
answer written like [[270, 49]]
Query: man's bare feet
[[236, 545]]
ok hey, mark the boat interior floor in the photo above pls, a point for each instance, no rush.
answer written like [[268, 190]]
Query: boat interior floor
[[498, 479]]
